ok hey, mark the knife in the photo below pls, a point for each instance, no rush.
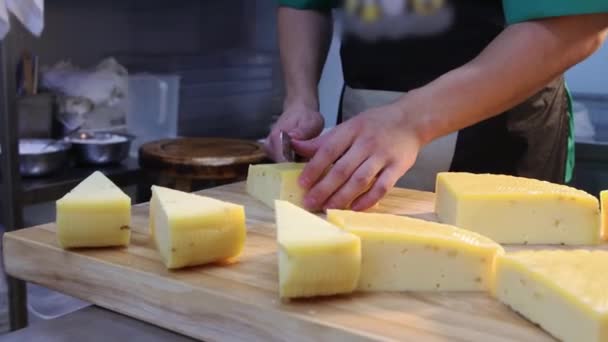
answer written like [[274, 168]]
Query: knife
[[288, 152]]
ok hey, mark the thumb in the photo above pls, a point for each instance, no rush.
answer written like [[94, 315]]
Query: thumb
[[307, 148]]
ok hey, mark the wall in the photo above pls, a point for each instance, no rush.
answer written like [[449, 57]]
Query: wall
[[590, 76], [332, 81], [85, 32], [74, 33], [186, 26]]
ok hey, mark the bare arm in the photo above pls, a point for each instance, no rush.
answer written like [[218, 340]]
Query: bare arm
[[304, 37], [517, 64]]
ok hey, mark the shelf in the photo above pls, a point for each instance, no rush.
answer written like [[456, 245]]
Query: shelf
[[53, 187]]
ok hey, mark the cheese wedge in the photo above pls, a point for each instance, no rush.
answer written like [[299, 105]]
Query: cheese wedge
[[518, 210], [316, 258], [96, 213], [604, 210], [269, 182], [193, 230], [400, 253], [565, 292]]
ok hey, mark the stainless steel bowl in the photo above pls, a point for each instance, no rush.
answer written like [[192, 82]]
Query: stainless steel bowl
[[100, 147], [52, 156]]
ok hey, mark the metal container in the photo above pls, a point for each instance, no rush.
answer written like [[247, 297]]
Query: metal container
[[51, 156], [100, 148]]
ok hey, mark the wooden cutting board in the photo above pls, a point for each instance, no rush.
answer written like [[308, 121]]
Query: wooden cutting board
[[240, 302], [201, 158]]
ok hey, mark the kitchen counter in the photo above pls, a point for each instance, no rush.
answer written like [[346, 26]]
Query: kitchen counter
[[591, 171], [592, 150], [93, 324]]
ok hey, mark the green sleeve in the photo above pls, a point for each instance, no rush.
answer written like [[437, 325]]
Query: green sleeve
[[522, 10], [321, 5]]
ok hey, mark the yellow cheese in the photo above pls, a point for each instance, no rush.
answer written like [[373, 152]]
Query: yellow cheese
[[518, 210], [96, 213], [565, 292], [152, 207], [192, 230], [315, 257], [269, 182], [400, 253], [604, 219]]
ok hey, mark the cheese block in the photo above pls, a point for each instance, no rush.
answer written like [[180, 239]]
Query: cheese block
[[564, 292], [400, 253], [193, 230], [96, 213], [269, 182], [151, 217], [517, 210], [604, 210], [316, 258]]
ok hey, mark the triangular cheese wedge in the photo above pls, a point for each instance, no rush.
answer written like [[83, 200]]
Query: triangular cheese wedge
[[405, 254], [96, 213], [193, 230], [518, 210], [565, 292], [315, 257]]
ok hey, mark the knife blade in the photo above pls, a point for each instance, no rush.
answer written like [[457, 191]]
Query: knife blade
[[288, 153]]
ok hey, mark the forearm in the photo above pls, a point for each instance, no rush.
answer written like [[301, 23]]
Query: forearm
[[516, 65], [304, 37]]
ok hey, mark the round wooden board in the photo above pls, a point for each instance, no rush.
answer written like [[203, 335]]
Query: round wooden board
[[201, 158]]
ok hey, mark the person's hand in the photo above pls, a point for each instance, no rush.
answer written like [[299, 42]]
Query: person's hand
[[369, 153], [300, 122]]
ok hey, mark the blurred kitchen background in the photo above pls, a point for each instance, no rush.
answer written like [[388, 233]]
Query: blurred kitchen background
[[165, 69]]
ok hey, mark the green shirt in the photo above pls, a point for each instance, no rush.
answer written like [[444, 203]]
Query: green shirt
[[515, 10]]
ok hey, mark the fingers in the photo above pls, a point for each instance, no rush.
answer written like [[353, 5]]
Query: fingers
[[339, 174], [300, 124], [331, 147], [307, 127], [383, 184], [307, 148], [357, 184]]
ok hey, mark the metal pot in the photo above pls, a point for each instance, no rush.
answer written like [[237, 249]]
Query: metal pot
[[52, 157], [100, 148]]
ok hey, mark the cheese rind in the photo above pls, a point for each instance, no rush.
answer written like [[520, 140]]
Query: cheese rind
[[270, 182], [96, 213], [316, 258], [516, 210], [400, 253], [563, 291], [192, 230]]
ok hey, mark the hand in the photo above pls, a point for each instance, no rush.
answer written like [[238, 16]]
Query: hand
[[369, 153], [300, 122]]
